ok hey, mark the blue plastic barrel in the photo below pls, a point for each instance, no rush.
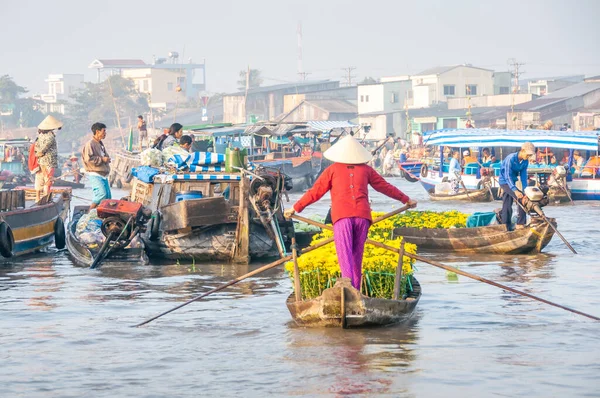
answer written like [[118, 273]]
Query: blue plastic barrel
[[188, 195]]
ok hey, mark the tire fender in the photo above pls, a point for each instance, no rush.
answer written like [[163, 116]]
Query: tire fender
[[155, 226], [424, 170], [7, 240], [60, 238]]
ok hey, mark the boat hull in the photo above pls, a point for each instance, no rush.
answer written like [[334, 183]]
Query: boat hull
[[354, 311], [491, 239], [300, 170], [481, 195], [120, 169], [64, 183], [212, 243], [33, 227]]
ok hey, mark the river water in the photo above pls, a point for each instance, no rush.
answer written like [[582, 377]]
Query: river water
[[66, 331]]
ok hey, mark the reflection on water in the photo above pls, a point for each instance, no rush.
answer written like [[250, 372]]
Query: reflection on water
[[65, 330]]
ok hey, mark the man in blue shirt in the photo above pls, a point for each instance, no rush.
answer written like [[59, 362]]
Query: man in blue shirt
[[454, 171], [513, 166]]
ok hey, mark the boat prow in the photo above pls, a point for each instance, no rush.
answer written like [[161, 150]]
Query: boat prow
[[344, 306]]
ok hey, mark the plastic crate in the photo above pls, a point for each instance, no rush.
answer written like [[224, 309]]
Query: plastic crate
[[480, 219], [141, 192]]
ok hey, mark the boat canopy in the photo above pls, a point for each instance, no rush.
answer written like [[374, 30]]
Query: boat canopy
[[280, 140], [291, 128], [328, 125], [468, 137], [217, 132]]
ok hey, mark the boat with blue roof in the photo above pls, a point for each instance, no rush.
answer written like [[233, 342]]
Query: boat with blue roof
[[567, 181]]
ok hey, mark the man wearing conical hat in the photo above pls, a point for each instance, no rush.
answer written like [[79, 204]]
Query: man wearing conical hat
[[348, 179], [46, 152]]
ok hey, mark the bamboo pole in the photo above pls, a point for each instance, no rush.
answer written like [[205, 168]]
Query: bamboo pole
[[398, 277], [297, 287], [116, 111]]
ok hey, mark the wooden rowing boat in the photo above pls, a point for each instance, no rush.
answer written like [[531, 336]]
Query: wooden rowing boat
[[83, 255], [490, 239], [478, 195], [344, 306]]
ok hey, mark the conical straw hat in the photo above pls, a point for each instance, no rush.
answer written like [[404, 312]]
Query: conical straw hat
[[50, 123], [348, 150]]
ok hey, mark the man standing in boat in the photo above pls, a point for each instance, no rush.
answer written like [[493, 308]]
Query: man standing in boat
[[514, 166], [97, 165], [143, 132], [349, 178]]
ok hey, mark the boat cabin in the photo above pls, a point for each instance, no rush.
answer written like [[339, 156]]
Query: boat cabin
[[14, 154]]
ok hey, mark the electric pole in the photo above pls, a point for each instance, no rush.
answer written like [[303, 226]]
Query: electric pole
[[303, 75], [515, 72], [301, 72], [348, 76]]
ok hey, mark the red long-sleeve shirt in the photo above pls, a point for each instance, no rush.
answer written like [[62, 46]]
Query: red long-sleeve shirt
[[349, 185]]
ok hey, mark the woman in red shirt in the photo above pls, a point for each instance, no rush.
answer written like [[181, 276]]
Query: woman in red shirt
[[348, 179]]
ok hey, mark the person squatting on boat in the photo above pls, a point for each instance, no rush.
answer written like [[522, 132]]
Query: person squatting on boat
[[348, 179], [97, 165], [46, 152], [170, 138], [186, 142], [514, 166], [454, 171]]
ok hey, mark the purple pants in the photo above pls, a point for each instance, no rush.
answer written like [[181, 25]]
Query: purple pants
[[350, 235]]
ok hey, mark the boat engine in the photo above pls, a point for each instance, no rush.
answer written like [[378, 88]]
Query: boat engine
[[262, 190], [122, 219], [559, 172], [535, 198]]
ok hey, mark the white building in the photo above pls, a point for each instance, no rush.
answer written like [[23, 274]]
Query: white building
[[378, 104], [60, 89], [166, 84], [550, 85], [436, 85]]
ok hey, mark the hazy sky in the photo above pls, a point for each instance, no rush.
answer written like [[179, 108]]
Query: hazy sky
[[379, 38]]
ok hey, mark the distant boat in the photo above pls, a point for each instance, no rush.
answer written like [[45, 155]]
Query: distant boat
[[585, 141], [471, 195]]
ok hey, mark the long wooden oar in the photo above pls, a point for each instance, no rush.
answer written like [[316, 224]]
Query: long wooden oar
[[390, 214], [238, 279], [455, 270]]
